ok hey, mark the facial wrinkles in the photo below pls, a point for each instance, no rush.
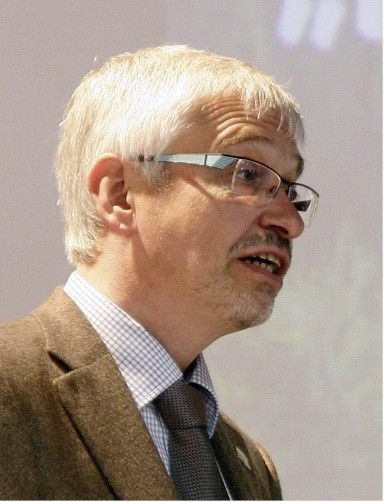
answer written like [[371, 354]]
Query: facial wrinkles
[[254, 137], [227, 112], [217, 108], [224, 118]]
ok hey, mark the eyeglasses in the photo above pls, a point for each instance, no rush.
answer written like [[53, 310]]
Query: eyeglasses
[[252, 180]]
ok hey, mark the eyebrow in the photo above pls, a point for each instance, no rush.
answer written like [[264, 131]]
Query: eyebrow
[[300, 165], [262, 139]]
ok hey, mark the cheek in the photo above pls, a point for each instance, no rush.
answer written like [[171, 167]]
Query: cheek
[[188, 229]]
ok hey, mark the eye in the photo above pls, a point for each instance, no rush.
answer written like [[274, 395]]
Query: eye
[[292, 193], [248, 172]]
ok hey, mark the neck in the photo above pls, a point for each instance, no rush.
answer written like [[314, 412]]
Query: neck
[[183, 334]]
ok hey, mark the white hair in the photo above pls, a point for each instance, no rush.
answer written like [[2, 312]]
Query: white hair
[[133, 106]]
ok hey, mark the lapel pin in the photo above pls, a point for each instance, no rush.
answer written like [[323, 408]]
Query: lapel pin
[[244, 459]]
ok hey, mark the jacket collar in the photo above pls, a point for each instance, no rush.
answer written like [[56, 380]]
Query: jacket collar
[[100, 405]]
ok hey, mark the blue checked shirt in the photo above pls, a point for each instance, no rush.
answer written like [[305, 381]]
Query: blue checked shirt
[[145, 365]]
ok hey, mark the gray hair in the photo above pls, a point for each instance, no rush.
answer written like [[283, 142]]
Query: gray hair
[[135, 105]]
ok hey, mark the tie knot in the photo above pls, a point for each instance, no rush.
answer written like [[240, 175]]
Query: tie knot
[[182, 406]]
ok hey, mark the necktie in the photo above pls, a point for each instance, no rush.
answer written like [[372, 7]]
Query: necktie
[[192, 461]]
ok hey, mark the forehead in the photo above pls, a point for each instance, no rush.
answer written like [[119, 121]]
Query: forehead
[[226, 125]]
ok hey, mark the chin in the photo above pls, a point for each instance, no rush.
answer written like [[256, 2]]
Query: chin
[[241, 322], [247, 312]]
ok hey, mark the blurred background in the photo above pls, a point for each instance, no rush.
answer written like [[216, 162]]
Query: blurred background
[[307, 384]]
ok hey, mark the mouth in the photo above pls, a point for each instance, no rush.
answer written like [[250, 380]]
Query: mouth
[[265, 261], [272, 262]]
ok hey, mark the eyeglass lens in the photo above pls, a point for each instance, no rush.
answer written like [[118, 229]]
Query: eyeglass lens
[[251, 179]]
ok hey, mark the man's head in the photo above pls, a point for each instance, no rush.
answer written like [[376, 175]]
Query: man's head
[[137, 104], [191, 236]]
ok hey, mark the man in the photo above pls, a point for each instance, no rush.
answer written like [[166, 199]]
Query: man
[[176, 170]]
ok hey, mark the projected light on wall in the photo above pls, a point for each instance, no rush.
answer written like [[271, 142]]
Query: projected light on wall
[[319, 21]]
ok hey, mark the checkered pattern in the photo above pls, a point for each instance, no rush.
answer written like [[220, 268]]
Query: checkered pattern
[[145, 365]]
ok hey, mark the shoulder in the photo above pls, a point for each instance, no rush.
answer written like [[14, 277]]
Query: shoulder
[[30, 412], [21, 339], [25, 360]]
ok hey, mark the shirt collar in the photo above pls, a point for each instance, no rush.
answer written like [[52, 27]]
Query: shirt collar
[[145, 365]]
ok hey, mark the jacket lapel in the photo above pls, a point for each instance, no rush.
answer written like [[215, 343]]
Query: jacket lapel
[[101, 407], [246, 479]]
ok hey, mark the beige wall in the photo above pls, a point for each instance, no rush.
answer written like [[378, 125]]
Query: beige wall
[[307, 383]]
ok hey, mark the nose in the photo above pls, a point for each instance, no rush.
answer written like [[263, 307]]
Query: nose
[[281, 215]]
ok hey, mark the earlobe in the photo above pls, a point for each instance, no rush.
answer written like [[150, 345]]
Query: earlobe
[[106, 182]]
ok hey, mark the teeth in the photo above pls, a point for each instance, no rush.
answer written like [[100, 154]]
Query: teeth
[[261, 261], [267, 266], [271, 258]]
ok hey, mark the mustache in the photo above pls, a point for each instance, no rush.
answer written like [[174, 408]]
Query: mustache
[[269, 238]]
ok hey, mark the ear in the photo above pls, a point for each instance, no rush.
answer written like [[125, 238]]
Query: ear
[[107, 183]]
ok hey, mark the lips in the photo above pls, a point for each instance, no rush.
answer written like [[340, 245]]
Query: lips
[[274, 261], [266, 261]]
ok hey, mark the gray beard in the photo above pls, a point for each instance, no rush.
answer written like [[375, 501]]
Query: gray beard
[[239, 309], [245, 309]]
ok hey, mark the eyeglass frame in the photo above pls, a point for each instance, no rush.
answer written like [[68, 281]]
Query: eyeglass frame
[[221, 161]]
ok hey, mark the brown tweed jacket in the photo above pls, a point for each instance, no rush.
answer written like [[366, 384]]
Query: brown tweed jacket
[[69, 428]]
